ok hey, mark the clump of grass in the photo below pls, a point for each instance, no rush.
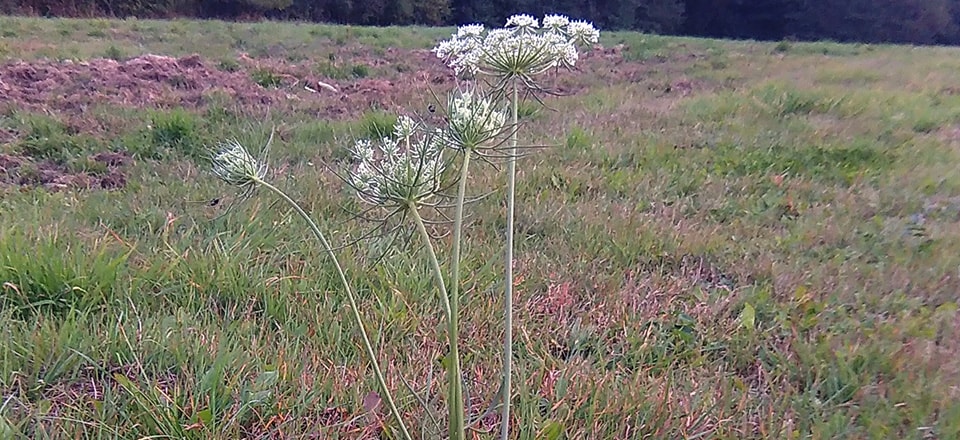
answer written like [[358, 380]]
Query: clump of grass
[[925, 124], [317, 139], [48, 139], [86, 165], [266, 78], [360, 71], [640, 47], [783, 46], [376, 124], [828, 48], [784, 100], [114, 53], [228, 65], [171, 132], [579, 140], [40, 278], [333, 69]]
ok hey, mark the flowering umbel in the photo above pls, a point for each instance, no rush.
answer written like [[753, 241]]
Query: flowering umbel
[[473, 122], [399, 170], [521, 50]]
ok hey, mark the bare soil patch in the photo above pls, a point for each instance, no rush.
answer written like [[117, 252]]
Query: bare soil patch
[[71, 88], [146, 81], [22, 171], [160, 81]]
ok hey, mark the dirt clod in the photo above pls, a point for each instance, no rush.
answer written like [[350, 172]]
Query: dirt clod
[[111, 159]]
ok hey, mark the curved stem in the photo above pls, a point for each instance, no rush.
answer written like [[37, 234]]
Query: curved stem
[[457, 416], [508, 273], [353, 304], [434, 261]]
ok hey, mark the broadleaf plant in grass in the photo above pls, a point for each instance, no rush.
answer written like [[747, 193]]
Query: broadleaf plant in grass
[[509, 60]]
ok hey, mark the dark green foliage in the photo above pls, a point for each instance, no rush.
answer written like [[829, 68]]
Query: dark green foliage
[[913, 21], [907, 21], [902, 21]]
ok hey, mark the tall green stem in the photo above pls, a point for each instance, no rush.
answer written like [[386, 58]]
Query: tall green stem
[[508, 273], [353, 304], [457, 416], [455, 264], [457, 234]]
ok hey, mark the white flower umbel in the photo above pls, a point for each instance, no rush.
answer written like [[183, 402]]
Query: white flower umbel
[[582, 32], [473, 122], [397, 171], [557, 23], [470, 30], [521, 50], [405, 127], [523, 22]]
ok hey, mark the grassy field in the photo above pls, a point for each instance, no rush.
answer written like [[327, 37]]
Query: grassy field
[[725, 240]]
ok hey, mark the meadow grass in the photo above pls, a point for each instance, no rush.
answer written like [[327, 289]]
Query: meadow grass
[[726, 240]]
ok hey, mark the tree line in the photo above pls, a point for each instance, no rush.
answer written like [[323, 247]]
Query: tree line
[[897, 21]]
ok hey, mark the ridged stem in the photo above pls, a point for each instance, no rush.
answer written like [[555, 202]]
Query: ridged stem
[[457, 416], [508, 273]]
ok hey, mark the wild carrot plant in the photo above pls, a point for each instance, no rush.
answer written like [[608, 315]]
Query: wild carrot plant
[[510, 60], [408, 171], [403, 175]]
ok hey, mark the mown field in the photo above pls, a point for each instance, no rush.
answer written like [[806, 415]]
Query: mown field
[[723, 240]]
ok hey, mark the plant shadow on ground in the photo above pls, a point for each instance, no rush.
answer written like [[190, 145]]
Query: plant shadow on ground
[[706, 250]]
